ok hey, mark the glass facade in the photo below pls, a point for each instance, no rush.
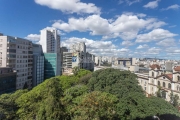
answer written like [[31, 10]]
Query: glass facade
[[50, 65]]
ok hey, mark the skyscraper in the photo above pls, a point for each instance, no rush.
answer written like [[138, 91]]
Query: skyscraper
[[50, 41]]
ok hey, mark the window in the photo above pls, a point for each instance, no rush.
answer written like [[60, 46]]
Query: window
[[178, 89], [164, 85], [178, 78], [159, 84], [169, 85], [152, 81], [163, 94], [153, 74]]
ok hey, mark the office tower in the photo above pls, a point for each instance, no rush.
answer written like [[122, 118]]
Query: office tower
[[17, 53], [50, 41], [7, 80], [38, 65], [52, 65]]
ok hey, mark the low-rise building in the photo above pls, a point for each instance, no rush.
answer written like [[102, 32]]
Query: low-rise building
[[158, 79]]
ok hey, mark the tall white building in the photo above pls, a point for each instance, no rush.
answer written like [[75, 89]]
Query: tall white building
[[17, 53], [50, 41]]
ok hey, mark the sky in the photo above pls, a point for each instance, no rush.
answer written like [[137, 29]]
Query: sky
[[118, 28]]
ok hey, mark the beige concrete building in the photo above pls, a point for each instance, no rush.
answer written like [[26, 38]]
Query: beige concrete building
[[17, 53], [169, 82]]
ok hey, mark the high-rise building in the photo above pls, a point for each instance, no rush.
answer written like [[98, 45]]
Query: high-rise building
[[38, 65], [50, 41], [7, 80], [17, 53]]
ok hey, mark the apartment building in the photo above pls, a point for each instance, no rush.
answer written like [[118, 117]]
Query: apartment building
[[17, 53], [50, 41], [38, 65], [156, 77], [7, 80]]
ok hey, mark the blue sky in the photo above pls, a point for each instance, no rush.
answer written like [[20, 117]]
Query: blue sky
[[123, 28]]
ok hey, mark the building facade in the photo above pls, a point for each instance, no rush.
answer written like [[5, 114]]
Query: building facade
[[157, 79], [17, 53], [38, 65], [7, 80], [52, 63], [50, 41]]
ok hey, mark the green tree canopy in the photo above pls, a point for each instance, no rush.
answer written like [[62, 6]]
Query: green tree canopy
[[42, 102], [115, 82], [95, 106]]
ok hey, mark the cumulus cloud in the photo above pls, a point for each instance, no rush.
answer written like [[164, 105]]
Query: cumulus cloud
[[127, 43], [129, 2], [96, 47], [152, 4], [172, 7], [70, 6], [154, 35], [153, 50], [142, 46], [124, 26], [166, 42], [33, 37]]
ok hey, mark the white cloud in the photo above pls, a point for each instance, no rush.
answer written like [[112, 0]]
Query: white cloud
[[154, 50], [152, 4], [127, 43], [156, 34], [172, 7], [33, 37], [126, 26], [129, 2], [70, 6], [97, 47], [142, 46], [166, 42]]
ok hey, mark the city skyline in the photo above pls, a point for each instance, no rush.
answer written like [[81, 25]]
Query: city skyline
[[122, 28]]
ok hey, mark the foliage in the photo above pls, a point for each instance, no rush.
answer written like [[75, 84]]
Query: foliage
[[8, 107], [115, 82], [102, 95], [174, 99], [42, 102], [95, 105], [85, 79], [68, 81], [75, 70], [70, 95]]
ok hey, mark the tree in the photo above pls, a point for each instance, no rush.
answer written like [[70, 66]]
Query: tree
[[75, 70], [42, 102], [70, 95], [8, 107], [95, 105], [115, 82], [174, 99]]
